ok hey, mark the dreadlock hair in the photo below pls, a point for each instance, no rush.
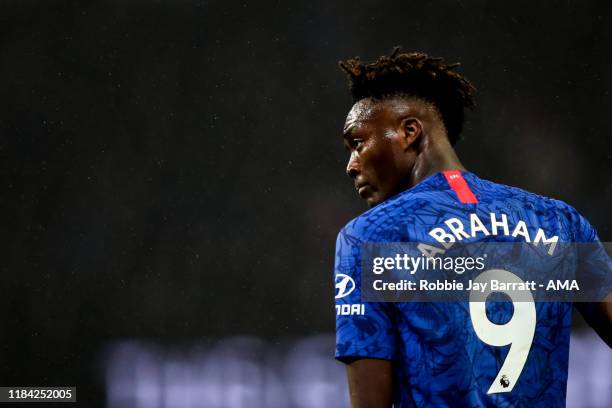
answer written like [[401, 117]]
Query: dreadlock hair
[[414, 74]]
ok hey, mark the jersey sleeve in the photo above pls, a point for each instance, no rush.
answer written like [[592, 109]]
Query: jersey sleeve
[[363, 329], [594, 265]]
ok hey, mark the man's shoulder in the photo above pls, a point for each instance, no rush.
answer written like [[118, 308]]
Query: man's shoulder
[[555, 211], [491, 191]]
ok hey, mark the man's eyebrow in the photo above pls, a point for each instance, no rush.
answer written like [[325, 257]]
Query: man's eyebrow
[[348, 131]]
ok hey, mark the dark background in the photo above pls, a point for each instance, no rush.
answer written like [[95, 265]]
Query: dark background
[[174, 170]]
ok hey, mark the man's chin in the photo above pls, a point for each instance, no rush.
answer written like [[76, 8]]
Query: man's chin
[[372, 196], [373, 200]]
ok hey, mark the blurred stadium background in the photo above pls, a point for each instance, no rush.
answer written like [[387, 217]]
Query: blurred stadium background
[[173, 180], [247, 372]]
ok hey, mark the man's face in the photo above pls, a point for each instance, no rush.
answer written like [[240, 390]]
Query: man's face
[[379, 163]]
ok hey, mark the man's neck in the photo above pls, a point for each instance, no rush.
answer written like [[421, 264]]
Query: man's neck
[[436, 155]]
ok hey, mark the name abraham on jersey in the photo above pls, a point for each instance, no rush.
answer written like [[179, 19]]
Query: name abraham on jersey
[[457, 231]]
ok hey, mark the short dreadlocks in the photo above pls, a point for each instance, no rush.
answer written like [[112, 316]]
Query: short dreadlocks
[[414, 74]]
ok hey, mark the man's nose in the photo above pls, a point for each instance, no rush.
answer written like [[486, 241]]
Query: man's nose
[[352, 168]]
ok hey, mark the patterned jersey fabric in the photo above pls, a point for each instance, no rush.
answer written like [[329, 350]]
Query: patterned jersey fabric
[[438, 359]]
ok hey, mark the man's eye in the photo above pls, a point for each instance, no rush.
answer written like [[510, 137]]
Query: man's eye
[[356, 144]]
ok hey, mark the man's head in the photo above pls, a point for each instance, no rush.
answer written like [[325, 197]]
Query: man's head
[[399, 100]]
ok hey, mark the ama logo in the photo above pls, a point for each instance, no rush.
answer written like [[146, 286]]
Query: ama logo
[[344, 285]]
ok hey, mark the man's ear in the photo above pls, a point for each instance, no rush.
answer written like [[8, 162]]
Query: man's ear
[[412, 130]]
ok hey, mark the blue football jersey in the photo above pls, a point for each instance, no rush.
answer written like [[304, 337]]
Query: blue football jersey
[[439, 359]]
